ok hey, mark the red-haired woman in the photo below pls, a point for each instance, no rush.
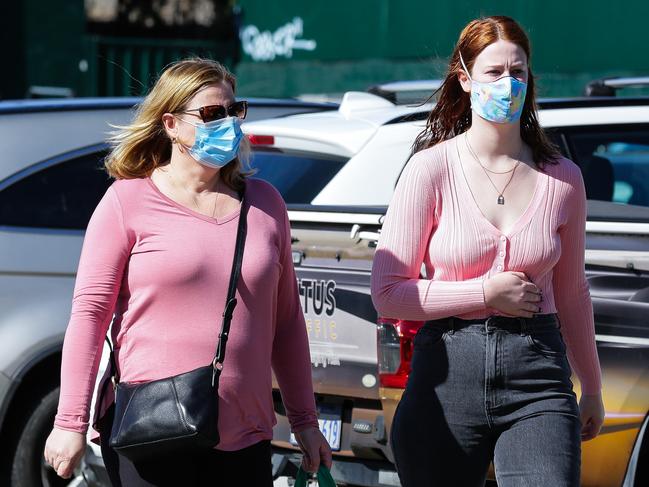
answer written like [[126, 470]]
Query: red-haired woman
[[497, 218]]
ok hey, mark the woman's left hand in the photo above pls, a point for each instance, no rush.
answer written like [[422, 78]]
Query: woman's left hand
[[315, 448], [591, 412]]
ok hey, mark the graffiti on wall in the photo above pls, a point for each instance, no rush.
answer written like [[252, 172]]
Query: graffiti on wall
[[266, 45]]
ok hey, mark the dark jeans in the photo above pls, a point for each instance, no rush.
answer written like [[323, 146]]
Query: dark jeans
[[487, 390], [207, 467]]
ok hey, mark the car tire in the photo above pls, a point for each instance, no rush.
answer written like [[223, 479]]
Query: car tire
[[28, 468]]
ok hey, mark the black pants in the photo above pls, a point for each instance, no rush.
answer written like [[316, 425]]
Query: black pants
[[214, 468], [496, 390]]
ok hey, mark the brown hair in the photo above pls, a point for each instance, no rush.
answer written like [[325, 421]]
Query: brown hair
[[451, 115], [137, 149]]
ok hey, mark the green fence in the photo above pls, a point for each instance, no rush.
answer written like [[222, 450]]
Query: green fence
[[49, 52], [128, 66]]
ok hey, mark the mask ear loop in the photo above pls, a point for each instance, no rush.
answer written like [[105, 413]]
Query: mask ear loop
[[466, 70]]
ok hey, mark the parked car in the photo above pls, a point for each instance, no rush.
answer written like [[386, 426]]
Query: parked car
[[335, 232], [50, 183]]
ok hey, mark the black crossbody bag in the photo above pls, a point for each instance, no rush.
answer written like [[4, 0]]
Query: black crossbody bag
[[178, 412]]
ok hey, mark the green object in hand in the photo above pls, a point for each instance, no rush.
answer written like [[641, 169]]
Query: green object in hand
[[324, 478]]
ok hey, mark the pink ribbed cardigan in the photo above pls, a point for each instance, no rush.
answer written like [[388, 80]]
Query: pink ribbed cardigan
[[163, 270], [433, 219]]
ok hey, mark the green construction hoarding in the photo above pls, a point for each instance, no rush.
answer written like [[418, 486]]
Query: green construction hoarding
[[292, 47]]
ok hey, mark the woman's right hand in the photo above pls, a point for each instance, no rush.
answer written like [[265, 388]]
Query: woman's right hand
[[513, 294], [64, 450]]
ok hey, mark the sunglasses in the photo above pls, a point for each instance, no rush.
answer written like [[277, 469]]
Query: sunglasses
[[210, 113]]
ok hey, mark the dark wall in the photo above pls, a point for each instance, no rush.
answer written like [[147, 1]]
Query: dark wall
[[12, 72], [53, 42]]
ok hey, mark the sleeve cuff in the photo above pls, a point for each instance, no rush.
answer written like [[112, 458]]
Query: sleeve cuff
[[304, 423], [81, 428]]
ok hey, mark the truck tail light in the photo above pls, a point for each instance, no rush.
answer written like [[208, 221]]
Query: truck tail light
[[261, 139], [394, 341]]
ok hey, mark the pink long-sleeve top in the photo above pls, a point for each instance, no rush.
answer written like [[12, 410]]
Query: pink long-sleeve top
[[162, 270], [433, 219]]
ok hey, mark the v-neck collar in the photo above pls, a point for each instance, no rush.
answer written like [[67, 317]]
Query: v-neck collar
[[524, 218], [189, 211]]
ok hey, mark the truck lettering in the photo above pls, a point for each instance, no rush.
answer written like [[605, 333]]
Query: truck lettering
[[320, 294]]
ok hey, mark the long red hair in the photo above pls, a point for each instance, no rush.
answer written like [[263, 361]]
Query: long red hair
[[451, 115]]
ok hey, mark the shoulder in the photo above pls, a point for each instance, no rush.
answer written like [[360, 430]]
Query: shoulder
[[430, 163], [566, 173], [262, 194], [261, 189], [128, 190]]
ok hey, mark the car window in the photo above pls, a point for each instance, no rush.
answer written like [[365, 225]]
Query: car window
[[615, 164], [298, 176], [61, 196]]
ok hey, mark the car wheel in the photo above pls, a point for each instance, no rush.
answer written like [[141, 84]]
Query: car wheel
[[28, 468]]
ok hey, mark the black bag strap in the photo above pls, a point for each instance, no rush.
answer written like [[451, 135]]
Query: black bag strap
[[230, 302]]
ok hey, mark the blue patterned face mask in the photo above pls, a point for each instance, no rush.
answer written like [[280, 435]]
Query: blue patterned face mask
[[216, 143], [499, 101]]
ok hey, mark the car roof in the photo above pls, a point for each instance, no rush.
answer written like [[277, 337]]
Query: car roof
[[341, 132], [35, 130], [346, 130], [65, 104]]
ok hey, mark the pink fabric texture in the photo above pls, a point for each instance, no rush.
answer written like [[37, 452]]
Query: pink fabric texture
[[163, 269], [433, 219]]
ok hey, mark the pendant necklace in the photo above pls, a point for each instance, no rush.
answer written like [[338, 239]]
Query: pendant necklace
[[501, 198]]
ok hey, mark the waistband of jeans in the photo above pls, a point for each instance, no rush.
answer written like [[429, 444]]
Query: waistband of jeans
[[518, 324]]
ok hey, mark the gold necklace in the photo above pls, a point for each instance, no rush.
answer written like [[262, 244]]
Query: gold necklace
[[501, 198], [193, 195]]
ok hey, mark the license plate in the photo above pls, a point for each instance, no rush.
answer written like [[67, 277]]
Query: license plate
[[331, 427]]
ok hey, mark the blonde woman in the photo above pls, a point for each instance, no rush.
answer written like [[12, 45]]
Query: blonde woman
[[157, 255]]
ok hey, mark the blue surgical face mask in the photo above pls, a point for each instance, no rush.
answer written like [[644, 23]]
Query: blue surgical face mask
[[216, 143], [499, 101]]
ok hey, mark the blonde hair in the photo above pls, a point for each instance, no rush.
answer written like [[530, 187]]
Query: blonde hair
[[137, 149]]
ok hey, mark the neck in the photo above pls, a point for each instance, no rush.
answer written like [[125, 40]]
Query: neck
[[191, 175], [494, 140]]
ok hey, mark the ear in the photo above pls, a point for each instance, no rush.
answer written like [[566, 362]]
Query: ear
[[170, 125], [464, 80]]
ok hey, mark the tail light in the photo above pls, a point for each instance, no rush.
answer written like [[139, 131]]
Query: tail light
[[261, 139], [394, 341]]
